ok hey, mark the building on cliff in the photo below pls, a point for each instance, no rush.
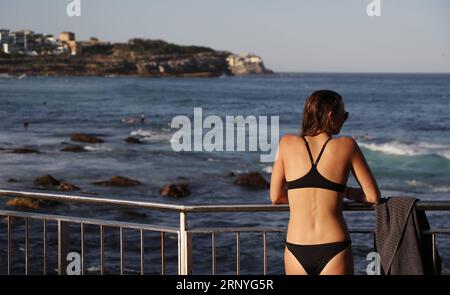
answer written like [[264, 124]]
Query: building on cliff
[[4, 40], [17, 41], [246, 63], [68, 40], [26, 42]]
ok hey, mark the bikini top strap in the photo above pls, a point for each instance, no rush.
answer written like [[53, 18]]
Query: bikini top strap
[[309, 151], [321, 151]]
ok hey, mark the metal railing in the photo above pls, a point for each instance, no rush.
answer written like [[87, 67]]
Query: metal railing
[[183, 231]]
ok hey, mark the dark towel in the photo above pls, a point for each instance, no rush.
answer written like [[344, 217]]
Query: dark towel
[[403, 249]]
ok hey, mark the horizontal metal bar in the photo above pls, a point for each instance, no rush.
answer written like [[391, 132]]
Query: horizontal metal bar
[[209, 230], [347, 206], [90, 221], [361, 230], [436, 231], [88, 199]]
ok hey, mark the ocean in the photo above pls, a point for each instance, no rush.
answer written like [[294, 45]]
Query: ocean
[[400, 121]]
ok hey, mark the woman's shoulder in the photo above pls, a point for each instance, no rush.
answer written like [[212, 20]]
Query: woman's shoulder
[[345, 139], [346, 142], [289, 138], [288, 142]]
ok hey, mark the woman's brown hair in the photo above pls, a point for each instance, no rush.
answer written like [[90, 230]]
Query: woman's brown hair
[[315, 113]]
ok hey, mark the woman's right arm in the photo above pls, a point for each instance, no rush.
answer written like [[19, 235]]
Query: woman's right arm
[[369, 191]]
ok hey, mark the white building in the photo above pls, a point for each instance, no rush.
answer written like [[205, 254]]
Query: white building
[[6, 48]]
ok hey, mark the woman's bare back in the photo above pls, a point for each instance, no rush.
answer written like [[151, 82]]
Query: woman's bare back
[[316, 215]]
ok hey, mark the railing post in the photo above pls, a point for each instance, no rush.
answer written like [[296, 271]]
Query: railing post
[[184, 247], [63, 246], [433, 244]]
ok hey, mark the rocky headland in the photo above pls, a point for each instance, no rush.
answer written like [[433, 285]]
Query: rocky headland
[[138, 57]]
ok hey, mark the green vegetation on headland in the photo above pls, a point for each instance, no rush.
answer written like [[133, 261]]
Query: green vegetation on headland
[[138, 57], [161, 47]]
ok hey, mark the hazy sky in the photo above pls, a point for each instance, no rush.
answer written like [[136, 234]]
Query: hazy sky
[[295, 35]]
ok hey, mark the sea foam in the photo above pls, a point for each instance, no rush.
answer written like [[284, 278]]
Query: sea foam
[[409, 149], [151, 135]]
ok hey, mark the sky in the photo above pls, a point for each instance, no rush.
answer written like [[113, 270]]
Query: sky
[[410, 36]]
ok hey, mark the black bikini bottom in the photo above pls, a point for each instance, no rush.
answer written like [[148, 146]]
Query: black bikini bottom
[[314, 258]]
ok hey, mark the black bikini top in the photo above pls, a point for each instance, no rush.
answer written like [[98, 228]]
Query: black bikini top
[[313, 178]]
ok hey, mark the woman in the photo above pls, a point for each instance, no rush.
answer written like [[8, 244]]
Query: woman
[[315, 168]]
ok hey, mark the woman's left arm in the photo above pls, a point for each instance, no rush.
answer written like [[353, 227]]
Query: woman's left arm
[[278, 193]]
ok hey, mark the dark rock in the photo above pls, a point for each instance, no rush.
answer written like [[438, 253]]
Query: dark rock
[[64, 186], [30, 203], [74, 149], [133, 140], [231, 174], [175, 190], [49, 181], [46, 180], [118, 181], [25, 151], [13, 180], [253, 179], [85, 138]]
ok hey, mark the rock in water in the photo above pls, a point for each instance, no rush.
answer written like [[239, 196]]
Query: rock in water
[[64, 186], [24, 203], [175, 190], [25, 151], [118, 181], [253, 179], [46, 180], [74, 149], [49, 181], [30, 203], [133, 140], [85, 138]]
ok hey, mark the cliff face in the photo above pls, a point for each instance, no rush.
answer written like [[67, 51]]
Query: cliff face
[[137, 58], [246, 63]]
